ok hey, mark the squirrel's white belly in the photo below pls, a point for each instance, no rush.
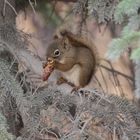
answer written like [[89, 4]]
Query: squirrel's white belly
[[73, 75]]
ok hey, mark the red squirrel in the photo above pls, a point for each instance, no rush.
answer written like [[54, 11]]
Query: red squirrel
[[74, 56]]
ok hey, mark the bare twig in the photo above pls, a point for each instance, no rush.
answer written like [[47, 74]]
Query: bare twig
[[85, 124], [31, 4], [4, 7], [117, 72]]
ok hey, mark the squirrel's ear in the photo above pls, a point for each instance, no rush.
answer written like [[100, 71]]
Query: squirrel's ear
[[66, 43], [60, 34], [63, 32], [55, 36]]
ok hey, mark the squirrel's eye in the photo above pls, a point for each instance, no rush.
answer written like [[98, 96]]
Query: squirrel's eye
[[57, 52]]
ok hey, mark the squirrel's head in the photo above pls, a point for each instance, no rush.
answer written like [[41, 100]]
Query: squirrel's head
[[61, 50]]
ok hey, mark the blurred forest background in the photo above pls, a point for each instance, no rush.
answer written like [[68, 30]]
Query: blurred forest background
[[106, 109]]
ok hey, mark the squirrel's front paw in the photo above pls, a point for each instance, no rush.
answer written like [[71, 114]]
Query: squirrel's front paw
[[75, 89], [61, 80]]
